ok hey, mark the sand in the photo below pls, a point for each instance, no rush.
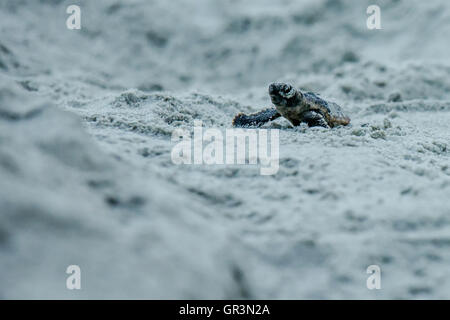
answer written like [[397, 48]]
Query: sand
[[86, 175]]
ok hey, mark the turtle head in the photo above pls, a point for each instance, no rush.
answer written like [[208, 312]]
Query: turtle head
[[283, 95]]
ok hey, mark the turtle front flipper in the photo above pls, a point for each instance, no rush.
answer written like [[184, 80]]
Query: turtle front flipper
[[314, 119], [255, 119]]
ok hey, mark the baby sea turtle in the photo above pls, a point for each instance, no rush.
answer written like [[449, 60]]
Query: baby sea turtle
[[297, 107]]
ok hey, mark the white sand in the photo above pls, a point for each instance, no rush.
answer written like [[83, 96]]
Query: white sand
[[86, 176]]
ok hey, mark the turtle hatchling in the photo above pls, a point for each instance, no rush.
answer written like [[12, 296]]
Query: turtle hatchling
[[297, 107]]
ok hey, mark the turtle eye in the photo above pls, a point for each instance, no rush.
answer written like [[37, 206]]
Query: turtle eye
[[287, 91], [287, 88]]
